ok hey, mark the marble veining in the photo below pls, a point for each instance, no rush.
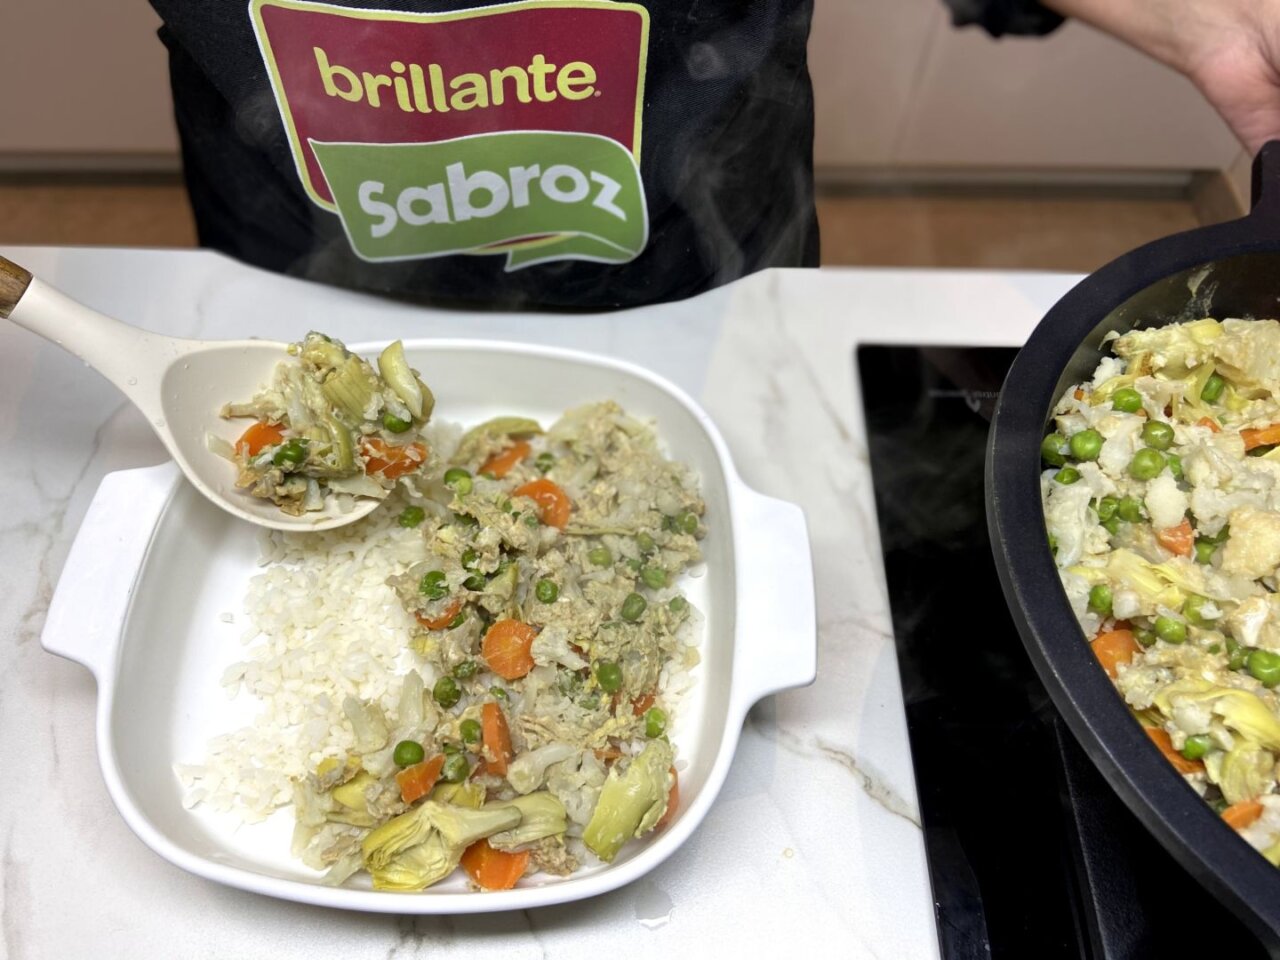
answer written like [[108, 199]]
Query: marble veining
[[815, 836]]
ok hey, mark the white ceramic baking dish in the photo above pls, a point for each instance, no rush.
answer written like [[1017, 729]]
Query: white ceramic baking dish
[[155, 567]]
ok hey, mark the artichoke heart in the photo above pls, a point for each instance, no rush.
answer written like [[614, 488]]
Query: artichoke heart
[[419, 848], [632, 803]]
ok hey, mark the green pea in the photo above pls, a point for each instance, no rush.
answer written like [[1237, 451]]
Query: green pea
[[645, 542], [1170, 630], [546, 591], [1053, 544], [600, 556], [1236, 655], [446, 692], [1100, 599], [459, 480], [654, 576], [1053, 449], [1146, 464], [677, 604], [410, 517], [633, 607], [531, 520], [394, 424], [475, 582], [1144, 636], [633, 564], [466, 669], [1112, 526], [1157, 435], [497, 693], [1126, 400], [469, 559], [1107, 508], [1197, 747], [609, 676], [1175, 465], [457, 621], [1067, 475], [544, 462], [1192, 610], [433, 585], [450, 748], [470, 730], [1264, 666], [655, 723], [1213, 388], [455, 769], [407, 753], [291, 452], [687, 522], [1130, 510], [1086, 445]]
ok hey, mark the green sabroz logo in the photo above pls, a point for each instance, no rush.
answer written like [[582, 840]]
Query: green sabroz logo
[[535, 196]]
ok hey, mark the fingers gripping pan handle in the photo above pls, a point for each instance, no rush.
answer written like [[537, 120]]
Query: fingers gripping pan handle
[[776, 614], [93, 595]]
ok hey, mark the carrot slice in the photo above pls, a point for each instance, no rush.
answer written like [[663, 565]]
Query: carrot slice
[[1114, 648], [417, 781], [1179, 540], [506, 647], [258, 437], [504, 461], [1242, 814], [446, 618], [494, 869], [640, 704], [495, 738], [1261, 436], [673, 801], [553, 503], [1180, 763], [1209, 422], [391, 461]]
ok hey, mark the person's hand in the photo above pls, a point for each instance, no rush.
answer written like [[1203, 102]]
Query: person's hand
[[1230, 49]]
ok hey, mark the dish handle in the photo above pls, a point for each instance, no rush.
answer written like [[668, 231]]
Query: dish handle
[[93, 594], [776, 613]]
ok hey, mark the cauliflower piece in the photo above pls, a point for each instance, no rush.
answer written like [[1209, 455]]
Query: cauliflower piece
[[1254, 547], [1166, 504], [1249, 351]]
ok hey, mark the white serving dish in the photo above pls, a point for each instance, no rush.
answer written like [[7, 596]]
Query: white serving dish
[[155, 565]]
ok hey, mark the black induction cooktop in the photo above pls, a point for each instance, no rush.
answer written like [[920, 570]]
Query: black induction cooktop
[[1031, 856]]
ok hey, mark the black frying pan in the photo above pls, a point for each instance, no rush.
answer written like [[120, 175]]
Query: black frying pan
[[1231, 270]]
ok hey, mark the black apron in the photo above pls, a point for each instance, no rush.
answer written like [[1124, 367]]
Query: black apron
[[545, 153]]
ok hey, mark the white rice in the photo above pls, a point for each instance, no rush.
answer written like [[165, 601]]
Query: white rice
[[324, 626]]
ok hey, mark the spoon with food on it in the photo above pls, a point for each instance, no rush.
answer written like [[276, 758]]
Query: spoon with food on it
[[314, 436]]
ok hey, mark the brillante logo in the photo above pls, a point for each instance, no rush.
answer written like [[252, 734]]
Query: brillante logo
[[511, 129]]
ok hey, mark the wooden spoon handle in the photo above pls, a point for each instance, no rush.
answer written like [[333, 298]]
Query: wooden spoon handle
[[14, 281]]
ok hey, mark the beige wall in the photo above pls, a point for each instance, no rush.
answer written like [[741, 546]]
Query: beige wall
[[83, 77], [896, 87]]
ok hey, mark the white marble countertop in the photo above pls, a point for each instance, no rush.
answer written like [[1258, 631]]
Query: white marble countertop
[[814, 841]]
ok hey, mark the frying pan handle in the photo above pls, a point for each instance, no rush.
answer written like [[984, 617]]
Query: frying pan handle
[[92, 598], [1266, 181]]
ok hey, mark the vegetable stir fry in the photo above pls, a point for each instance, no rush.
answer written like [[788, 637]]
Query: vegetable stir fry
[[330, 424], [1162, 500], [532, 732]]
